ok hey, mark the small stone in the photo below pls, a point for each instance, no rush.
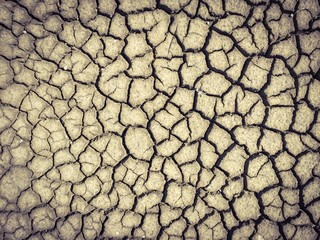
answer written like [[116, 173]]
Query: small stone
[[24, 31]]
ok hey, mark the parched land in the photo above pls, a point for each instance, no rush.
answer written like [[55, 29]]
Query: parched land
[[159, 119]]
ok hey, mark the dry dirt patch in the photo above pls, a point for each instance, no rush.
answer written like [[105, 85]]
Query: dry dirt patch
[[191, 119]]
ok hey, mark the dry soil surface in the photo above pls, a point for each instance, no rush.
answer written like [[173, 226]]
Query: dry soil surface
[[159, 119]]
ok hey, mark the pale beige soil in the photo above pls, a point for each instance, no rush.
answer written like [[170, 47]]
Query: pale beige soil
[[167, 119]]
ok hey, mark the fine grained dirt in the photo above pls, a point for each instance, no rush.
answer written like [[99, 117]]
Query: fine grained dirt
[[159, 119]]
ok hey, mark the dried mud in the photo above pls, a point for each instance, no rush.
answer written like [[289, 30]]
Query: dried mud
[[187, 119]]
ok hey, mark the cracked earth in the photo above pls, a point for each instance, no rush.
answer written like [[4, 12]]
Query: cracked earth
[[194, 119]]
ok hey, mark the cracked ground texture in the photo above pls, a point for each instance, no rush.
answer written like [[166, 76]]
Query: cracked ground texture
[[167, 119]]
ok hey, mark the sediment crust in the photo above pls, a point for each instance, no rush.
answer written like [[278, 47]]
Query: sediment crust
[[159, 119]]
